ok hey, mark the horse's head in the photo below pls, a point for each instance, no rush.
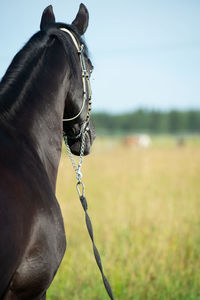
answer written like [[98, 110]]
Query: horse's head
[[76, 116]]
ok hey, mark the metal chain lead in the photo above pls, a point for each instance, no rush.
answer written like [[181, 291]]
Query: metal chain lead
[[81, 192], [76, 167]]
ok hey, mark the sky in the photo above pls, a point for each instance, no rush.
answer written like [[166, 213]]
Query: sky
[[146, 53]]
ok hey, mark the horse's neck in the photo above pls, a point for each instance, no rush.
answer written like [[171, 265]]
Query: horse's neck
[[40, 116], [46, 128], [46, 133]]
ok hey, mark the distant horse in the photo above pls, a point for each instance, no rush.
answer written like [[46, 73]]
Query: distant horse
[[42, 86], [141, 140]]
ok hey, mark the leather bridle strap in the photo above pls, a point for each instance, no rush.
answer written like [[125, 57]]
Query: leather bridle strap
[[87, 93]]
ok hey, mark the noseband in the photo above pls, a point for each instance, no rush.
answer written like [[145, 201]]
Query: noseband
[[87, 93]]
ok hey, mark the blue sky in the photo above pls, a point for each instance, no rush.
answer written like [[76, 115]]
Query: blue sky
[[146, 53]]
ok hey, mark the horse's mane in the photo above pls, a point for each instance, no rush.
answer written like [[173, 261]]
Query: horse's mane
[[28, 62]]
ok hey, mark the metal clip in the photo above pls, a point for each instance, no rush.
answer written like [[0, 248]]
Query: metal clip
[[81, 189], [78, 173], [81, 48]]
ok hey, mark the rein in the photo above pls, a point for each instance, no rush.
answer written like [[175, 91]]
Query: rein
[[80, 185]]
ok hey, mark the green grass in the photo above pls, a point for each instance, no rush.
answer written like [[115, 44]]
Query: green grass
[[144, 205]]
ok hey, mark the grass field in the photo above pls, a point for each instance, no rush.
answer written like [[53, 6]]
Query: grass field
[[145, 209]]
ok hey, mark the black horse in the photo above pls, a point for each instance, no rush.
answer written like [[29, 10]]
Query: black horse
[[42, 86]]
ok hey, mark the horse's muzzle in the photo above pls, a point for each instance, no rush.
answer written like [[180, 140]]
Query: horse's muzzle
[[75, 144]]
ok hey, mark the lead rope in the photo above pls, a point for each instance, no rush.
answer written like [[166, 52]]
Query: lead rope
[[81, 192]]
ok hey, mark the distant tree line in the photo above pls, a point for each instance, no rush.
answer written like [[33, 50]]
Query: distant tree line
[[150, 121]]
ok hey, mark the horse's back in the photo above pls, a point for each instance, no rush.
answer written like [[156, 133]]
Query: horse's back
[[32, 239]]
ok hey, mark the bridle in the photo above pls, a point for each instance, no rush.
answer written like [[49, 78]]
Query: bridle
[[87, 93], [87, 96]]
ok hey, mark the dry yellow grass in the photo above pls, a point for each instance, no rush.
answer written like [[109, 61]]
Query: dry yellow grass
[[144, 205]]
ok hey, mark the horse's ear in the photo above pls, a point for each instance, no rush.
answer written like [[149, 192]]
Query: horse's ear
[[47, 17], [81, 20]]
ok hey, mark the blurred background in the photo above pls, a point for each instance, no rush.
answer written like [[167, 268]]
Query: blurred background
[[142, 177]]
